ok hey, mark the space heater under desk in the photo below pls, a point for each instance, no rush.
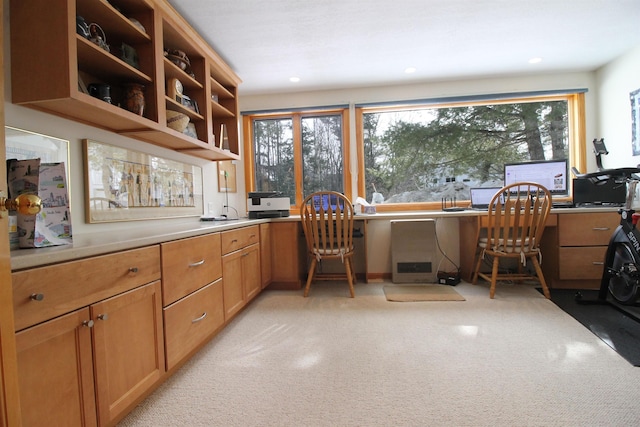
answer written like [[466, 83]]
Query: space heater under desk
[[413, 251]]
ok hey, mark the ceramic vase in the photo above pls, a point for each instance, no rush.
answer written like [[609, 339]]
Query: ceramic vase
[[134, 98]]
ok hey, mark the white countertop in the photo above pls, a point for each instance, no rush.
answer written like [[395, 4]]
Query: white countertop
[[91, 244]]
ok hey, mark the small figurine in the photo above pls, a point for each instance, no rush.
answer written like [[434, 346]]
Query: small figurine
[[98, 38]]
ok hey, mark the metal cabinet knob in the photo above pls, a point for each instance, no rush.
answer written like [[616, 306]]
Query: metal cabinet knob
[[103, 316], [36, 297], [24, 204], [88, 323]]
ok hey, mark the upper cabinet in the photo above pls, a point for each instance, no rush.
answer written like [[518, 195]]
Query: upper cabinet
[[135, 67]]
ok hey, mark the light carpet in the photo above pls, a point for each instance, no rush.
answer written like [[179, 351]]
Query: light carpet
[[331, 360], [415, 293]]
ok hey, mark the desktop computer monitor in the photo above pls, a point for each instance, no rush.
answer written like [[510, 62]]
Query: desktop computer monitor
[[553, 174]]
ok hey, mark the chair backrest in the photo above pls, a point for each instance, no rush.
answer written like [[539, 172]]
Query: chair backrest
[[327, 221], [516, 223]]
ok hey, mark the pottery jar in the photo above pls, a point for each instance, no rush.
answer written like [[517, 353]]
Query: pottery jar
[[134, 98]]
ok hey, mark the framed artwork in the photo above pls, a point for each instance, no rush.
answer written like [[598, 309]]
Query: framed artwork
[[127, 185], [227, 176], [22, 145], [635, 121]]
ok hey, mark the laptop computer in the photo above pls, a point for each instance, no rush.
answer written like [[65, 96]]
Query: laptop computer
[[481, 197]]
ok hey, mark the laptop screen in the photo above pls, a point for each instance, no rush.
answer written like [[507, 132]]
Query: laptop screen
[[481, 196]]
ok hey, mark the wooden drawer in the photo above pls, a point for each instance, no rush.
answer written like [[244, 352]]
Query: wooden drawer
[[581, 263], [68, 286], [191, 320], [188, 265], [586, 229], [237, 239]]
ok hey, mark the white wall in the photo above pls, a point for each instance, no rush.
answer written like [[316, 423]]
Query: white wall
[[614, 82]]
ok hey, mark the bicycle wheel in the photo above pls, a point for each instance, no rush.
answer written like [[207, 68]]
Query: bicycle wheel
[[623, 285]]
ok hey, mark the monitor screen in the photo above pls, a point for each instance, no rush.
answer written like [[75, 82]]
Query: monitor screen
[[550, 173]]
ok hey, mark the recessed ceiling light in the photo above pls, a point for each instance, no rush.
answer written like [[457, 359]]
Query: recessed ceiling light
[[294, 79], [535, 60], [410, 70]]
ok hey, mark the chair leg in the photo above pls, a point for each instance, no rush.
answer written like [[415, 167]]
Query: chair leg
[[350, 279], [312, 270], [474, 280], [494, 277], [543, 283]]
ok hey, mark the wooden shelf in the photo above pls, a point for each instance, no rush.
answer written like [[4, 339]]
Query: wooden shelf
[[49, 57]]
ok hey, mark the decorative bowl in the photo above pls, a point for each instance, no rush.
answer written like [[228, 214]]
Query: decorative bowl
[[177, 121], [179, 58]]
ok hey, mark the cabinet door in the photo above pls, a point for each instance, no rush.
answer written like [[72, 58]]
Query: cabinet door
[[265, 254], [55, 371], [251, 277], [232, 283], [128, 348]]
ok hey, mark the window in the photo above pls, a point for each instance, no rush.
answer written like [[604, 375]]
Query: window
[[420, 154], [298, 153]]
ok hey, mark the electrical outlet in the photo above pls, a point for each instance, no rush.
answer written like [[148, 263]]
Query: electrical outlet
[[210, 208]]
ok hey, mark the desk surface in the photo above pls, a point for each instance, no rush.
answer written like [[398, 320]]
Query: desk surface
[[449, 214], [91, 244]]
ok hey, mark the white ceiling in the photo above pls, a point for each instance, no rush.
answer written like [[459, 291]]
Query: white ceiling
[[334, 44]]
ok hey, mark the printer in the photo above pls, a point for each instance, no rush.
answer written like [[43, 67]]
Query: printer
[[598, 191], [267, 204]]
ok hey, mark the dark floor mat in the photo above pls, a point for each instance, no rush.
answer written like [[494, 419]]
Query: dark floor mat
[[618, 330]]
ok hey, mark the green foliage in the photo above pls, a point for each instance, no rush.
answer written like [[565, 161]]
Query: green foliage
[[404, 154]]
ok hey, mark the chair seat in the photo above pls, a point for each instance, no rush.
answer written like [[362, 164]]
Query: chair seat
[[332, 251], [508, 246]]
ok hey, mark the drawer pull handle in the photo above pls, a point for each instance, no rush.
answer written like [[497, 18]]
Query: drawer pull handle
[[103, 316], [195, 264], [88, 323], [199, 318], [601, 228], [597, 262], [133, 269], [37, 297]]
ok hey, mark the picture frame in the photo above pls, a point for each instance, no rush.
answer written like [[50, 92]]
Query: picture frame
[[635, 121], [227, 176], [127, 185], [22, 144]]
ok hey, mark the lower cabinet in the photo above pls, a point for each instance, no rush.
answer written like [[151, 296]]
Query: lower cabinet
[[90, 342], [96, 335], [240, 268], [57, 372]]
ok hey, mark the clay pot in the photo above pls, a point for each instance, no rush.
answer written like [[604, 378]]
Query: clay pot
[[134, 98]]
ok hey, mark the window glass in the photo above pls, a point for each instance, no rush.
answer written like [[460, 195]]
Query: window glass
[[298, 153], [273, 156], [322, 164], [425, 154]]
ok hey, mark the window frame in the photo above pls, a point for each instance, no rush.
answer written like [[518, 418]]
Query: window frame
[[296, 117], [576, 126]]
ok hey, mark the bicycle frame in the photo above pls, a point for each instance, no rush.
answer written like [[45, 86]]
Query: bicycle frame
[[626, 232]]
